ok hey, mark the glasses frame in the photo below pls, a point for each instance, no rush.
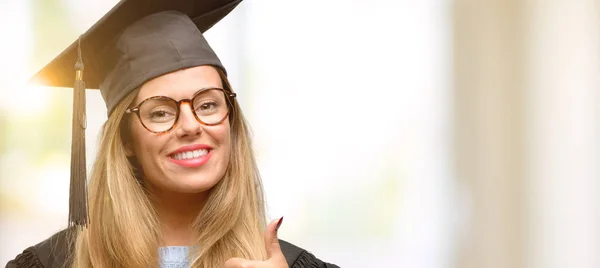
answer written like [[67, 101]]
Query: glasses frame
[[228, 98]]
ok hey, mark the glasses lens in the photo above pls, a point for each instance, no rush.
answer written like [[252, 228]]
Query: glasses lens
[[211, 106], [158, 114]]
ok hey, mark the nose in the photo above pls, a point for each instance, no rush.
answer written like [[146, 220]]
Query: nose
[[188, 126]]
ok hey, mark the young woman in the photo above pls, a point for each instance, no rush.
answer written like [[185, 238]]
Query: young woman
[[175, 182]]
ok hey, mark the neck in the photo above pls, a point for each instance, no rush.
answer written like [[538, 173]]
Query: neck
[[177, 212]]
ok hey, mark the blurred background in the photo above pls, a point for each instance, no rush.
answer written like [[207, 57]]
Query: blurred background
[[389, 133]]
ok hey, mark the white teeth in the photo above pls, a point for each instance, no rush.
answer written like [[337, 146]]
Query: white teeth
[[190, 154]]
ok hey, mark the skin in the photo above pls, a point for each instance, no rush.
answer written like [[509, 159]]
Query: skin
[[180, 192], [275, 258]]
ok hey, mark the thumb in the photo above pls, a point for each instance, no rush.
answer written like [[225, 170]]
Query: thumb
[[271, 239]]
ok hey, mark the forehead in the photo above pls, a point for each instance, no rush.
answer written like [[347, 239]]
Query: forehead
[[181, 84]]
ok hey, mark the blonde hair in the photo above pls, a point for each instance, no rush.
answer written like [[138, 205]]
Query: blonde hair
[[124, 230]]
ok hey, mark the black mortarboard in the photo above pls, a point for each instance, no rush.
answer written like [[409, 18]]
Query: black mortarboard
[[137, 40]]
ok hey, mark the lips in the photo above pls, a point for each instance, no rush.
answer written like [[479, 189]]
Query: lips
[[191, 155]]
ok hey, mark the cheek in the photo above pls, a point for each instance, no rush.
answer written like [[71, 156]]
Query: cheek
[[222, 137], [142, 142]]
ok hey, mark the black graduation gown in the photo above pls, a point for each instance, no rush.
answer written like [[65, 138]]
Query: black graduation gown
[[51, 253]]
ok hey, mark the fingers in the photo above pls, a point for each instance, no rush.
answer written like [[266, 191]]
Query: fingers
[[272, 240], [274, 254]]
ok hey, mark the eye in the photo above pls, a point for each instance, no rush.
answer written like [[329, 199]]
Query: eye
[[161, 115], [207, 107], [157, 114]]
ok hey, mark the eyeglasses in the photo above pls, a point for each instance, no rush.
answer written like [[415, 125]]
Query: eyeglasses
[[159, 114]]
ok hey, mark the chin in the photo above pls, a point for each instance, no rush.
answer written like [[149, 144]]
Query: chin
[[194, 186]]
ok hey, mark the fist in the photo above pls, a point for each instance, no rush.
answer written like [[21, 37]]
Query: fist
[[275, 258]]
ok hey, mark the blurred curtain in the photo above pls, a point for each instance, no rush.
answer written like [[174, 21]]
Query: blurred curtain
[[527, 132]]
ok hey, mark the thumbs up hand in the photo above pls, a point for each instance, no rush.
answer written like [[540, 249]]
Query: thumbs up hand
[[275, 258]]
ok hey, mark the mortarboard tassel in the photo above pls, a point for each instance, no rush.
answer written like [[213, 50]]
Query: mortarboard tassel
[[78, 211]]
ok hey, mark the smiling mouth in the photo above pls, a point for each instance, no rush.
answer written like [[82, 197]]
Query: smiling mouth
[[189, 154]]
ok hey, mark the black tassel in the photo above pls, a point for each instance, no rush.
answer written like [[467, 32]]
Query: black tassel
[[78, 210]]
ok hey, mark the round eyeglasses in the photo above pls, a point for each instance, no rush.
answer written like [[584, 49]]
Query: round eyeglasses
[[159, 114]]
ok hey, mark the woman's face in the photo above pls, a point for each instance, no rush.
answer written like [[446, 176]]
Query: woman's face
[[206, 149]]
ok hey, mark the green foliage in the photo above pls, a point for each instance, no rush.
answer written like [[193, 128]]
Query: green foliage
[[52, 30], [41, 135], [50, 132]]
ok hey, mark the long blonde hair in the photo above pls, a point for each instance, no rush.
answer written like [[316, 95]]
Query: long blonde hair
[[124, 230]]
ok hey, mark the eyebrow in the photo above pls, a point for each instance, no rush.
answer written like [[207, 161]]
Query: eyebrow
[[203, 89], [137, 103]]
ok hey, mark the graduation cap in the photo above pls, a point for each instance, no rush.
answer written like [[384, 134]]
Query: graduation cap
[[137, 40]]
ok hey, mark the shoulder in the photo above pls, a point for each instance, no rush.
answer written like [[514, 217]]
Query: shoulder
[[49, 253], [52, 253], [297, 257]]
